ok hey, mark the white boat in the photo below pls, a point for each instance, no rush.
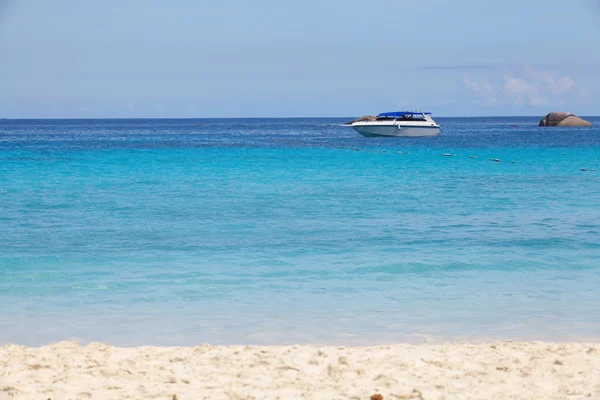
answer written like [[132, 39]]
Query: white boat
[[399, 123]]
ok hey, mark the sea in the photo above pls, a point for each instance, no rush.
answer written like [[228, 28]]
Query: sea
[[297, 231]]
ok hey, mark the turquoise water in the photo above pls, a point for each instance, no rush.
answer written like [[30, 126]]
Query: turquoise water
[[286, 231]]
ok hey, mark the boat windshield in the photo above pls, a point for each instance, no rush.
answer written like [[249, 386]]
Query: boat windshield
[[405, 117]]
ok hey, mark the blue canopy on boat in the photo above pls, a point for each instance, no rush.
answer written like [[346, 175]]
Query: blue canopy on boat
[[401, 113]]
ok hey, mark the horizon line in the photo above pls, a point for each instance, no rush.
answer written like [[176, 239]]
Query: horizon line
[[304, 117]]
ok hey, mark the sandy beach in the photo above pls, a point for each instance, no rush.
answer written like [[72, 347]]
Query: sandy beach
[[503, 370]]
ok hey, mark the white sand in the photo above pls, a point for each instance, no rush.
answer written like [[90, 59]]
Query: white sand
[[446, 371]]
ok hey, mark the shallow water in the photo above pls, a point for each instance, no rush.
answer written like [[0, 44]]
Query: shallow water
[[285, 231]]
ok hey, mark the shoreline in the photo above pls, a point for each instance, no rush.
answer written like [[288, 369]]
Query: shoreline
[[466, 370]]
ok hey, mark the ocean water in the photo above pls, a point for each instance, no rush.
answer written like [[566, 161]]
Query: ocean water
[[280, 231]]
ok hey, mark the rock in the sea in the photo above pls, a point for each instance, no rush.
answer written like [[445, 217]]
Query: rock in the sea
[[363, 118], [574, 120], [563, 119], [553, 118]]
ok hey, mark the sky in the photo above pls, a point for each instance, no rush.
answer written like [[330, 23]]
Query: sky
[[270, 58]]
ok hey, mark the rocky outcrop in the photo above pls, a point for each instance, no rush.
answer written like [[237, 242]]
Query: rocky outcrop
[[574, 120], [563, 119], [361, 119]]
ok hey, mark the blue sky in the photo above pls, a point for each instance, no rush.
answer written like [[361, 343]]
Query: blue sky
[[267, 58]]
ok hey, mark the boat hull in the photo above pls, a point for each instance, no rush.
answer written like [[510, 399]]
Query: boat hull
[[396, 130]]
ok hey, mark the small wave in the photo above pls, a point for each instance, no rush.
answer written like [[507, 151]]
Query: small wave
[[91, 287]]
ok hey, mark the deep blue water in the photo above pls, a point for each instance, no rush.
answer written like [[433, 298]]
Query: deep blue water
[[297, 231]]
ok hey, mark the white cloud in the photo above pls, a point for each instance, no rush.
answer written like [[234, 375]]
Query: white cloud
[[556, 85], [523, 92], [530, 87], [485, 89]]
